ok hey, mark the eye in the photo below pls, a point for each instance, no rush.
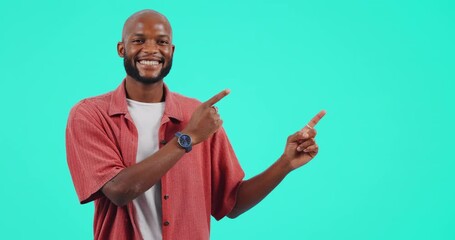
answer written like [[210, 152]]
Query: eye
[[163, 42], [138, 41]]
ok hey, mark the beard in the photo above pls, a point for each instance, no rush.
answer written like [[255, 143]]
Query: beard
[[133, 72]]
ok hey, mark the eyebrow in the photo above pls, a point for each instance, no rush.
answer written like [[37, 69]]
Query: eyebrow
[[143, 35]]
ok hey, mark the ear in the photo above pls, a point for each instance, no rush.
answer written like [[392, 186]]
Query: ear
[[121, 49], [173, 49]]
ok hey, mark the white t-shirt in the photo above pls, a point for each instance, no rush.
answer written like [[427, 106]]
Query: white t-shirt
[[147, 119]]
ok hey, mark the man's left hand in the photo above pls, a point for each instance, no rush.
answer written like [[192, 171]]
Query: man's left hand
[[301, 147]]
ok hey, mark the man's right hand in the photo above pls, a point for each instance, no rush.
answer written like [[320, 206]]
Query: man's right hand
[[205, 120]]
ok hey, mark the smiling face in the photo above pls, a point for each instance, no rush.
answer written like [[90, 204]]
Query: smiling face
[[146, 47]]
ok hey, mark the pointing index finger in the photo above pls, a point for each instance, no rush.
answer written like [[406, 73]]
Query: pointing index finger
[[217, 97], [316, 119]]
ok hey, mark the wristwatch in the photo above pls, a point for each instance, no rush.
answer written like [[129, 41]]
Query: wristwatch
[[184, 141]]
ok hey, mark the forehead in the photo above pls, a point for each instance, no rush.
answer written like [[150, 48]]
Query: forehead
[[147, 24]]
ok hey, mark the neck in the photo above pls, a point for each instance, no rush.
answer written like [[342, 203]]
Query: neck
[[141, 92]]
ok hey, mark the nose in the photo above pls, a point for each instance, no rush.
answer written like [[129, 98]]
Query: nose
[[150, 47]]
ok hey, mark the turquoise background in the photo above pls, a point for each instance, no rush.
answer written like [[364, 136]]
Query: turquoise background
[[383, 70]]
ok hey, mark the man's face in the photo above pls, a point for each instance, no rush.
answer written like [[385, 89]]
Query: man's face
[[147, 48]]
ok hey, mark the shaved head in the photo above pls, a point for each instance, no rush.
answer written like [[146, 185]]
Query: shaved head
[[146, 13], [146, 47]]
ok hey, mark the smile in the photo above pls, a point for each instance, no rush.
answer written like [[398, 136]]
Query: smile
[[149, 63]]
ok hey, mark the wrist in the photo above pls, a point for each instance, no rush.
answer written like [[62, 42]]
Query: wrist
[[185, 141], [285, 164], [194, 139]]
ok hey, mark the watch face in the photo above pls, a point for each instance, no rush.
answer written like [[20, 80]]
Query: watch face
[[185, 140]]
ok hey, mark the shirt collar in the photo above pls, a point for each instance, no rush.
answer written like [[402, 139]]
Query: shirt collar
[[118, 104]]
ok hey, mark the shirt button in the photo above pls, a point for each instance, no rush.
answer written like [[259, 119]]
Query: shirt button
[[166, 197], [163, 142], [166, 223]]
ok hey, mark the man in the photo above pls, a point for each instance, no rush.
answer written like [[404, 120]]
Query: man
[[158, 164]]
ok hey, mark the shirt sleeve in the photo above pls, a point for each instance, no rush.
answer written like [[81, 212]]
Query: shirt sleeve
[[227, 175], [93, 158]]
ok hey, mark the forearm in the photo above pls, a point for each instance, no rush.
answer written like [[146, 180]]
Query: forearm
[[253, 190], [138, 178]]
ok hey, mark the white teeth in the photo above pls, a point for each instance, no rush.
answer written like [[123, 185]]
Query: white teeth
[[146, 62]]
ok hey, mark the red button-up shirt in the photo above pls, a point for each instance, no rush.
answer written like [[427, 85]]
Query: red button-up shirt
[[101, 141]]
